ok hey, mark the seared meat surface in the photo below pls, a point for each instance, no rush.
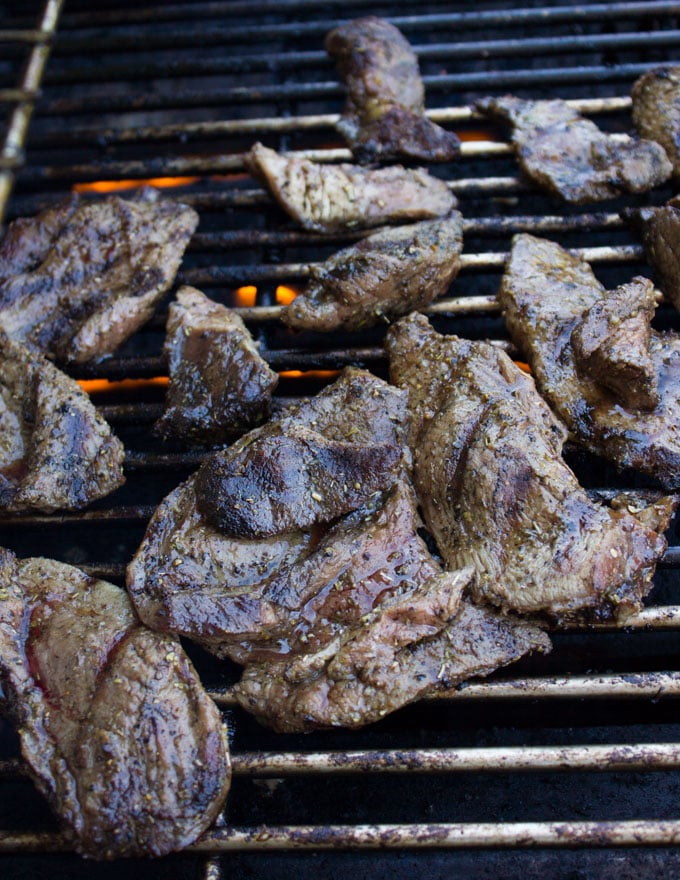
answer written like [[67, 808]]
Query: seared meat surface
[[190, 577], [552, 301], [659, 229], [570, 157], [79, 279], [385, 275], [384, 115], [56, 451], [331, 198], [219, 384], [416, 641], [656, 110], [496, 494], [114, 724]]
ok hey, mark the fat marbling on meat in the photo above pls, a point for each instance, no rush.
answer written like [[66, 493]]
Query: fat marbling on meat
[[385, 275], [552, 301], [78, 279], [571, 157], [384, 117], [497, 495], [219, 383], [113, 722], [332, 198], [56, 451], [656, 110]]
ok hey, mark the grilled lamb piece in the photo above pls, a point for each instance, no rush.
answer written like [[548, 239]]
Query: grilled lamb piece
[[56, 451], [191, 578], [332, 198], [418, 640], [570, 157], [384, 117], [114, 724], [496, 494], [656, 110], [219, 384], [385, 275], [77, 280], [550, 298], [659, 229]]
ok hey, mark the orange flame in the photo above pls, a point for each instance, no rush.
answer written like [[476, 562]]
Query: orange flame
[[476, 134], [285, 295], [108, 186], [309, 374], [96, 386], [245, 296], [525, 368]]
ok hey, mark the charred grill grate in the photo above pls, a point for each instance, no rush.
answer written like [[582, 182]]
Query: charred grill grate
[[174, 93]]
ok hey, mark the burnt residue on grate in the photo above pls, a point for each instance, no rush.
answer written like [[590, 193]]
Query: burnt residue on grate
[[470, 783]]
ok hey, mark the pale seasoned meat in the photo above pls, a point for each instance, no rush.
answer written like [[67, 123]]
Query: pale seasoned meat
[[659, 229], [571, 157], [547, 295], [114, 724], [384, 117], [417, 641], [332, 198], [191, 578], [387, 274], [77, 280], [293, 480], [656, 110], [56, 451], [219, 383], [496, 494]]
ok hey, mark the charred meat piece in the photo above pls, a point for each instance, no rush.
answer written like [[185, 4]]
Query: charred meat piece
[[417, 641], [294, 480], [219, 384], [386, 275], [332, 198], [114, 724], [56, 451], [571, 158], [656, 110], [79, 279], [384, 117], [191, 578], [659, 229], [551, 301], [496, 494]]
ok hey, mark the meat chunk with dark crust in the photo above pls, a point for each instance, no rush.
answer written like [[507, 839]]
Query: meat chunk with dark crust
[[659, 229], [496, 494], [547, 294], [384, 117], [571, 157], [77, 280], [387, 274], [332, 198], [219, 383], [191, 578], [656, 110], [56, 451], [114, 724], [420, 639]]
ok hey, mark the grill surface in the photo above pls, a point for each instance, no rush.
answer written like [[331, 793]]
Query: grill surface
[[502, 776]]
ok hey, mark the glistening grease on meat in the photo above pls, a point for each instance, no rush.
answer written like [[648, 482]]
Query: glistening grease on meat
[[114, 724], [550, 299], [77, 280], [219, 383], [384, 117], [385, 275], [571, 157], [497, 495], [332, 198], [56, 451]]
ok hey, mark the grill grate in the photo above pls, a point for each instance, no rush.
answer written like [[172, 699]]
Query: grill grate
[[180, 90]]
